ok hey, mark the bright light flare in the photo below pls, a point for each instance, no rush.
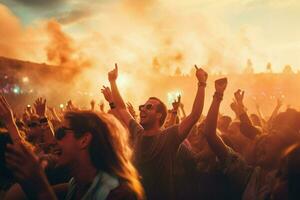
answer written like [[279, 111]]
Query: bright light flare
[[16, 90], [173, 95], [25, 79]]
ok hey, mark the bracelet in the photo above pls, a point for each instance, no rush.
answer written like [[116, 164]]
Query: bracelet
[[112, 105], [218, 96], [43, 120], [201, 84], [174, 112]]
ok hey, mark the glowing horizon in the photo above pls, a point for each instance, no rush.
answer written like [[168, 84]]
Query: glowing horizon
[[219, 34]]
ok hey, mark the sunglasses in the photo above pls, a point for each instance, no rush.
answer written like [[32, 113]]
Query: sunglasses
[[145, 106], [60, 133], [32, 124]]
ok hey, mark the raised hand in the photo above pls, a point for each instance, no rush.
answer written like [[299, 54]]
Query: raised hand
[[220, 85], [22, 161], [113, 74], [71, 107], [107, 94], [279, 102], [201, 75], [92, 104], [181, 105], [131, 109], [51, 109], [239, 96], [28, 171], [40, 107], [6, 113], [176, 103], [237, 108], [101, 106]]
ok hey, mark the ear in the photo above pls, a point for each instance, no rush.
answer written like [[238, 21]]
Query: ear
[[85, 140]]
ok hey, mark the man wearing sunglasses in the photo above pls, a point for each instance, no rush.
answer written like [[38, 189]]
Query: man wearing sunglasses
[[155, 148]]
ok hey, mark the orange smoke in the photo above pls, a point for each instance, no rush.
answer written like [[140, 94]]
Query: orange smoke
[[17, 41], [61, 49]]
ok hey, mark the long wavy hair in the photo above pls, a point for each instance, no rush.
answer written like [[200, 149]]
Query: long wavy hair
[[109, 148]]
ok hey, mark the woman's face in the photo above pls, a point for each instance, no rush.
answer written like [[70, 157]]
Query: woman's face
[[68, 145]]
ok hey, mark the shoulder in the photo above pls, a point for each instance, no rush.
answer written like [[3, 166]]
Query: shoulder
[[135, 126], [122, 192]]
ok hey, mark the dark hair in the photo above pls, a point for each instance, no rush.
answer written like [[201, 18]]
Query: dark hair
[[292, 159], [109, 149], [5, 174], [161, 108]]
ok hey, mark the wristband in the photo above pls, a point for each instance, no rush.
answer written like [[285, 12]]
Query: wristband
[[174, 112], [218, 96], [201, 84], [43, 120], [112, 105]]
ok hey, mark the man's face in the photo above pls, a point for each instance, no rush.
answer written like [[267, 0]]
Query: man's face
[[223, 124], [68, 146], [148, 113]]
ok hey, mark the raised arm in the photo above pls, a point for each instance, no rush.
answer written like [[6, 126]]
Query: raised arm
[[259, 113], [186, 125], [275, 111], [118, 101], [112, 77], [246, 127], [131, 110], [92, 103], [108, 97], [214, 141], [28, 172], [181, 106], [40, 106], [6, 114], [173, 113], [54, 114]]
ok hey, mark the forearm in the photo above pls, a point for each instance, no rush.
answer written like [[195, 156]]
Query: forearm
[[274, 114], [183, 112], [55, 116], [246, 127], [249, 131], [187, 124], [214, 141], [118, 100], [13, 132], [198, 104], [261, 116], [172, 119]]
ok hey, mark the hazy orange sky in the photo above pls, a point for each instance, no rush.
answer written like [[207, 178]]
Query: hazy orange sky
[[220, 33]]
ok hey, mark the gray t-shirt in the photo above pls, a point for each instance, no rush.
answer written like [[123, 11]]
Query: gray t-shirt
[[154, 158]]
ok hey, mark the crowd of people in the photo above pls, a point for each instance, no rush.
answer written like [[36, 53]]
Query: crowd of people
[[160, 154]]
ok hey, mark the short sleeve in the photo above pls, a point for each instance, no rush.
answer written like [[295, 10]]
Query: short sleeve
[[237, 170], [172, 136], [135, 128]]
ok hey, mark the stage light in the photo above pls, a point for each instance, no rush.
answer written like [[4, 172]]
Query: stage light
[[173, 95], [16, 90], [25, 79]]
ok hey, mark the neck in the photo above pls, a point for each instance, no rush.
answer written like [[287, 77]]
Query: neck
[[153, 130], [84, 173]]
